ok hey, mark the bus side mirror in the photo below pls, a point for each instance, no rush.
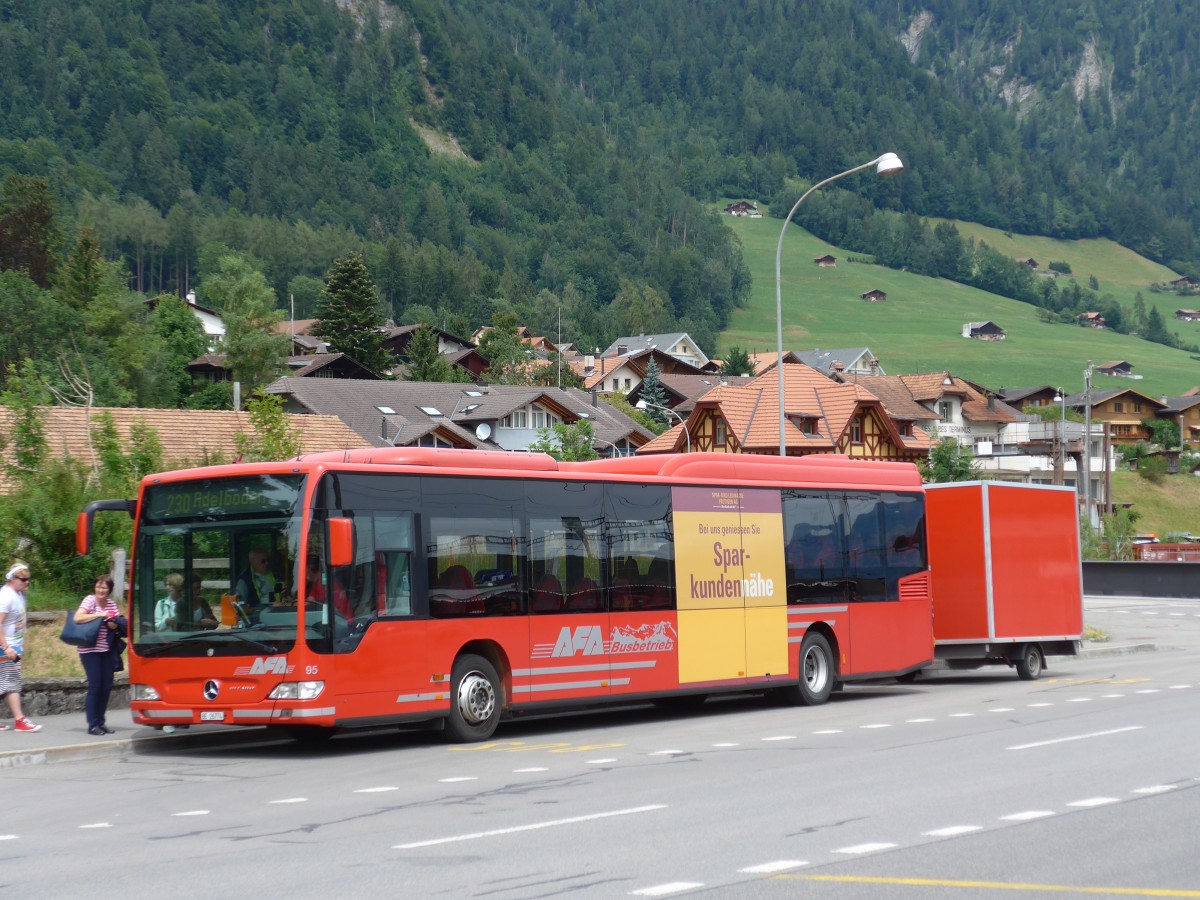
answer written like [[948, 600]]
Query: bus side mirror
[[341, 541], [83, 522]]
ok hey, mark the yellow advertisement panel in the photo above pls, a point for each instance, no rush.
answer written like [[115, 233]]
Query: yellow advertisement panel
[[729, 563]]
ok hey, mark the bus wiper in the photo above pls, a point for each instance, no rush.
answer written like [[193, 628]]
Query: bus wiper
[[160, 649]]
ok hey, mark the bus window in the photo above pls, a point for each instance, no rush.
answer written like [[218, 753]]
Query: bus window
[[815, 553], [864, 543], [475, 546], [566, 543], [393, 546], [639, 541], [903, 537]]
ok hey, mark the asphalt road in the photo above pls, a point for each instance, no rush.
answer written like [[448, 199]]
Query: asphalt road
[[1086, 782]]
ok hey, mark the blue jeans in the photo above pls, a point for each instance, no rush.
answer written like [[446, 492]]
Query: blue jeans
[[99, 670]]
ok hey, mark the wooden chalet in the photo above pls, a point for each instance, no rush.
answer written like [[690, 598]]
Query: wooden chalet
[[873, 296], [826, 261], [983, 331]]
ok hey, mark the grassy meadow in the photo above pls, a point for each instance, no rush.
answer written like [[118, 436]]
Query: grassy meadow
[[919, 327]]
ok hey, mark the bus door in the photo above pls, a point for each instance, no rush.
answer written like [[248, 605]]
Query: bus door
[[732, 589], [569, 634], [817, 564]]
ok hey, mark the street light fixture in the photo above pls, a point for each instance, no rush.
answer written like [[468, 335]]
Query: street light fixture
[[1061, 398], [888, 164], [642, 404]]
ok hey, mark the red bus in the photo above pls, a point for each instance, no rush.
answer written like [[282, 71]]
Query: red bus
[[404, 585]]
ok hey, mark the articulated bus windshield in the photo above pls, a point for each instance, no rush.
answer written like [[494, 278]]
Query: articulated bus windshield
[[215, 567]]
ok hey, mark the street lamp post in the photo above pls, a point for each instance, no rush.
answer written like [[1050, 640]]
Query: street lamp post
[[888, 164], [642, 404]]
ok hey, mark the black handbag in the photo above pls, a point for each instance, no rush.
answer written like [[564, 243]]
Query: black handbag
[[84, 635]]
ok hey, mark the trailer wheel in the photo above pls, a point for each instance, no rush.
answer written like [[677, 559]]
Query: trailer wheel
[[1029, 662], [475, 700]]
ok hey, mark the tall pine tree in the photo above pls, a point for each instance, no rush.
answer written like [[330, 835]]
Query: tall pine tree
[[349, 315]]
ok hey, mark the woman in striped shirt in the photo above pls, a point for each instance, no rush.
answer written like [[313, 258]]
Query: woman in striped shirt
[[100, 660]]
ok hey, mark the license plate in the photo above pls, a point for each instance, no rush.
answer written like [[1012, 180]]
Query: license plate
[[212, 716]]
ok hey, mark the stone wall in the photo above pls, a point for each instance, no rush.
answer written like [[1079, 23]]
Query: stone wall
[[52, 696]]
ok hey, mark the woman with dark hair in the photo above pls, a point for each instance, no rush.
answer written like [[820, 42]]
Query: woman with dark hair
[[101, 659]]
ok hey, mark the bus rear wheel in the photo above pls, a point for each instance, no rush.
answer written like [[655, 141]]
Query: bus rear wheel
[[816, 673], [475, 700]]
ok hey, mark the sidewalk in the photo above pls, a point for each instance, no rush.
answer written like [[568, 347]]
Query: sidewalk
[[64, 737]]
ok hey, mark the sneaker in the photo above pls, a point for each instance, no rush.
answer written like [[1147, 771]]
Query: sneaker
[[107, 730], [3, 727], [97, 730], [23, 724]]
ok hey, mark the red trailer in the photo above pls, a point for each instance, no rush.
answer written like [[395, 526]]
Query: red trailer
[[1005, 574]]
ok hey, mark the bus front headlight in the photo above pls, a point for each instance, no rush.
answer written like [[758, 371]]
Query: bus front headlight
[[297, 690], [143, 692]]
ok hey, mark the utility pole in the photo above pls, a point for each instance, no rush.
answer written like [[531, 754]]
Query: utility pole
[[1087, 443]]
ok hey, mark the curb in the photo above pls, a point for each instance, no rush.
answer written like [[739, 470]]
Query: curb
[[137, 745]]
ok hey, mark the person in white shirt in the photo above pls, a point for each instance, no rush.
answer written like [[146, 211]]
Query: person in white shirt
[[166, 611], [12, 642]]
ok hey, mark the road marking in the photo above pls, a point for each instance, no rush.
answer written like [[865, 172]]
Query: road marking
[[781, 737], [998, 885], [668, 752], [877, 725], [727, 744], [770, 868], [864, 848], [192, 812], [919, 721], [1179, 687], [98, 825], [1075, 737], [535, 826], [8, 837], [1037, 705], [1154, 789], [961, 715], [600, 762], [532, 769], [454, 779], [1148, 691], [376, 790], [290, 800], [952, 830], [829, 731], [662, 890], [1094, 801], [1028, 815], [1113, 696], [1001, 709]]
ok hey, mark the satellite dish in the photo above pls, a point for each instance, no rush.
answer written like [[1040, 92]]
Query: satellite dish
[[483, 431]]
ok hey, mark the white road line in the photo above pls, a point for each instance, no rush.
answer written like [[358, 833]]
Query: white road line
[[1179, 687], [961, 715], [290, 800], [531, 769], [601, 762], [1028, 815], [192, 812], [1112, 696], [517, 829], [1037, 705], [1001, 709], [1093, 801], [780, 737], [1079, 699], [1148, 691], [864, 848], [376, 790], [98, 825], [454, 779], [8, 837], [668, 752], [1154, 789], [781, 865], [1075, 737], [952, 830], [829, 731], [918, 721], [671, 887], [877, 725], [727, 744]]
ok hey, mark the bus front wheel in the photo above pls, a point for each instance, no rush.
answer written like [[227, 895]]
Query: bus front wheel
[[475, 700]]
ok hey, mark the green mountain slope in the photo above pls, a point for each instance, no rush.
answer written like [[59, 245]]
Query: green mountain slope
[[918, 328]]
